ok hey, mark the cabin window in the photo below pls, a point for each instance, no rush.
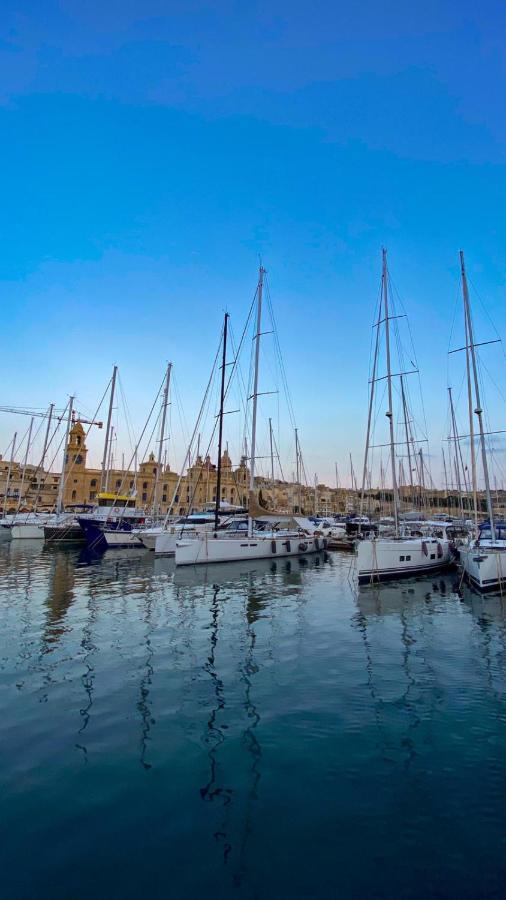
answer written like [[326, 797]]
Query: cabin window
[[433, 556], [402, 558], [407, 558]]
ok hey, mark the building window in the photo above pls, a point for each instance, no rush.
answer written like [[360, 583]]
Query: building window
[[118, 482], [145, 485], [93, 482], [164, 498], [73, 495], [144, 496], [131, 484], [154, 471], [176, 498], [75, 480], [165, 487], [93, 494]]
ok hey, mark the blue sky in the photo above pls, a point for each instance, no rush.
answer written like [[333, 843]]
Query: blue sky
[[151, 151]]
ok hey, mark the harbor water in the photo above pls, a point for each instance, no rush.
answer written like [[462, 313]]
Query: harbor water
[[261, 731]]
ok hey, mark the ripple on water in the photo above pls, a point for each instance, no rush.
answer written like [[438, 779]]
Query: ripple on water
[[255, 730]]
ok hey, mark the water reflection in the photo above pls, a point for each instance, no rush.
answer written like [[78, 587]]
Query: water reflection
[[60, 595]]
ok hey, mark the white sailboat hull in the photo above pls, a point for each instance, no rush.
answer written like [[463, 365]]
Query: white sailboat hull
[[27, 531], [208, 549], [485, 567], [382, 560], [148, 536], [121, 538]]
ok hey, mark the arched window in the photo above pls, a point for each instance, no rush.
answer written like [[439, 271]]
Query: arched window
[[74, 495], [145, 485], [93, 482]]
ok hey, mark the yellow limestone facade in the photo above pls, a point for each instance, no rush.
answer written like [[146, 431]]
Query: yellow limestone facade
[[197, 489]]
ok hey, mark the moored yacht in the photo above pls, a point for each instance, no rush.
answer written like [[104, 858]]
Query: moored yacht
[[114, 513], [399, 554]]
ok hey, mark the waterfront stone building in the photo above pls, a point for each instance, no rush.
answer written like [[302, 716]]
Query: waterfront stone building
[[192, 492]]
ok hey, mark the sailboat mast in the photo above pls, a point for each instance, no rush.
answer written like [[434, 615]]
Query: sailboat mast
[[474, 479], [25, 462], [9, 471], [406, 429], [478, 410], [390, 413], [220, 427], [165, 403], [456, 444], [446, 482], [298, 475], [255, 389], [369, 414], [272, 454], [46, 436], [108, 430], [61, 486]]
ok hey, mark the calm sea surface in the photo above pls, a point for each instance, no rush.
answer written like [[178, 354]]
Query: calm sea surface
[[256, 731]]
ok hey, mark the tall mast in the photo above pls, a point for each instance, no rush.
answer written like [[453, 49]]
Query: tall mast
[[9, 471], [297, 472], [316, 494], [474, 479], [423, 499], [369, 414], [46, 436], [272, 454], [456, 443], [61, 486], [261, 273], [25, 462], [108, 430], [390, 413], [406, 429], [110, 459], [446, 482], [478, 410], [165, 403], [220, 430]]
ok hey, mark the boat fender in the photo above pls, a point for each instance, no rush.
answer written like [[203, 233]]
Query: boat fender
[[439, 551], [288, 546], [424, 548], [274, 547], [303, 546], [317, 543]]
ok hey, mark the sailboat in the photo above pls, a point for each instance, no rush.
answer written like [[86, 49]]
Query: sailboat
[[253, 543], [484, 558], [384, 558]]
